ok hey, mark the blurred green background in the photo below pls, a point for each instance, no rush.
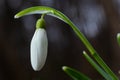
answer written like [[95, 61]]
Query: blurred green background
[[99, 20]]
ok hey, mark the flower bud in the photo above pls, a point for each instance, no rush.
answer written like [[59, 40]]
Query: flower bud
[[39, 45]]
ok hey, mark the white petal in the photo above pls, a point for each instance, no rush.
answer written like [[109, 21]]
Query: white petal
[[39, 46]]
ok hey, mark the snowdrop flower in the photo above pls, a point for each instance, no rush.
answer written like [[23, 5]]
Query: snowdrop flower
[[39, 44]]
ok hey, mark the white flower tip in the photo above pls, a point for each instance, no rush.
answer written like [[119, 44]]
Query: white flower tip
[[37, 67]]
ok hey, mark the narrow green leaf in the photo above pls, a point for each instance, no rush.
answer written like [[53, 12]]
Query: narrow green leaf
[[118, 38], [74, 74], [97, 67]]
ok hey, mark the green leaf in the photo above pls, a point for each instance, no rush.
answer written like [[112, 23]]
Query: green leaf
[[97, 67], [74, 74], [118, 38]]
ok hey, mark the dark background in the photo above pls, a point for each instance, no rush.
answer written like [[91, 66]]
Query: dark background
[[99, 20]]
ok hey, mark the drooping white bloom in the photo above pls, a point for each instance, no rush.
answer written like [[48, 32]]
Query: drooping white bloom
[[39, 45]]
